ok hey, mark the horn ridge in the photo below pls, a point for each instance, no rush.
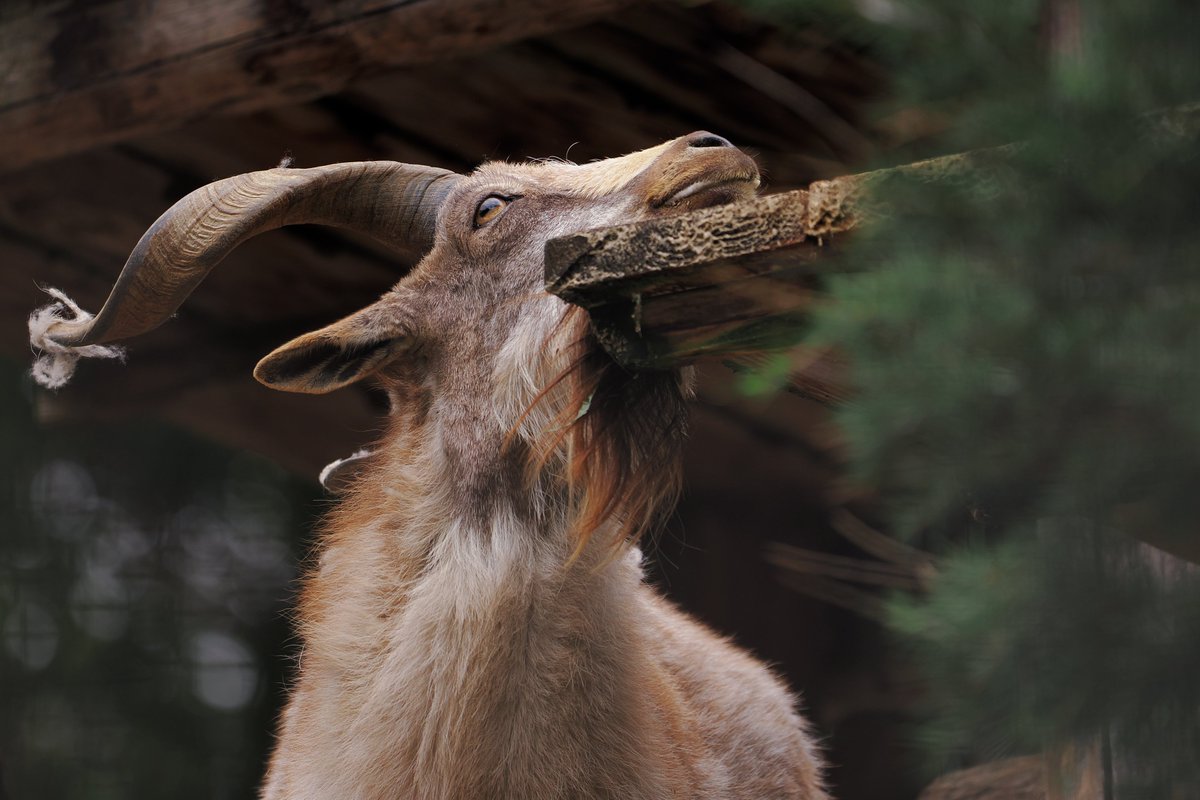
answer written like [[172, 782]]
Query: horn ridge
[[184, 244]]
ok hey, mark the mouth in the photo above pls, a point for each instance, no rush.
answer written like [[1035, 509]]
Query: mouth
[[710, 191]]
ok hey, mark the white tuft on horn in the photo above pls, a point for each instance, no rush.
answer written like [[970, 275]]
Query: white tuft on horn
[[55, 363]]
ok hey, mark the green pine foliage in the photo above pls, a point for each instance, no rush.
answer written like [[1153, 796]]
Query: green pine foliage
[[1026, 346], [1063, 634]]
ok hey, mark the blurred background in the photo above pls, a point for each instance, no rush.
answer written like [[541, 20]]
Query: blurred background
[[979, 571]]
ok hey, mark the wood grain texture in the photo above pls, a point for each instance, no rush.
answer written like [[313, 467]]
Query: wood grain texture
[[734, 281], [729, 280], [79, 74]]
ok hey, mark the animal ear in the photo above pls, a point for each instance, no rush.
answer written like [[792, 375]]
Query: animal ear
[[336, 355]]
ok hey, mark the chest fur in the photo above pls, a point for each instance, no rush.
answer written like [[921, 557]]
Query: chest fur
[[487, 673]]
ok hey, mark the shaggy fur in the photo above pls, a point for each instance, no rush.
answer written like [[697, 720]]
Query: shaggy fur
[[477, 625]]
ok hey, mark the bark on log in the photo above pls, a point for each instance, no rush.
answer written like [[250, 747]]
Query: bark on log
[[78, 74], [728, 281]]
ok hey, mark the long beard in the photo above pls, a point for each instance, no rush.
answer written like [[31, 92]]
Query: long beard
[[616, 438]]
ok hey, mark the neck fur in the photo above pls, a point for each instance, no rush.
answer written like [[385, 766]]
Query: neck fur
[[476, 644]]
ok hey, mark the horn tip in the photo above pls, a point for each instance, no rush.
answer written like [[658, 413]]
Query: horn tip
[[51, 333]]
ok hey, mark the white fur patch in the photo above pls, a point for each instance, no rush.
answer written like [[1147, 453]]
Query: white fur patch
[[528, 361], [56, 363]]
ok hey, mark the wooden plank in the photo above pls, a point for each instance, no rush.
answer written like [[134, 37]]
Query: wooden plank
[[729, 280], [730, 59], [78, 74], [590, 267], [616, 86]]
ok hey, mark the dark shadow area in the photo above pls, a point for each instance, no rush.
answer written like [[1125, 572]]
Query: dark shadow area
[[144, 580]]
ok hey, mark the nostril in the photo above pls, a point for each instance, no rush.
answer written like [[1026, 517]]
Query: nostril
[[705, 139]]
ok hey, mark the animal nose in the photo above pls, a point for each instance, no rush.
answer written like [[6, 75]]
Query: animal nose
[[706, 139]]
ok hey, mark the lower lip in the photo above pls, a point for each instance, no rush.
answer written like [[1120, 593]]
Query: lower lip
[[730, 188]]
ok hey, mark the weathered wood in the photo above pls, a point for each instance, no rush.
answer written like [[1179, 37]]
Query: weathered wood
[[710, 63], [592, 265], [728, 280], [763, 236], [79, 74]]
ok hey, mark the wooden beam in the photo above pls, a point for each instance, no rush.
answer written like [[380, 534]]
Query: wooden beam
[[78, 74], [727, 281], [730, 280]]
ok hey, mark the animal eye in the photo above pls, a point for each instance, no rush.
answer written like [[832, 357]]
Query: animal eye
[[489, 209]]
